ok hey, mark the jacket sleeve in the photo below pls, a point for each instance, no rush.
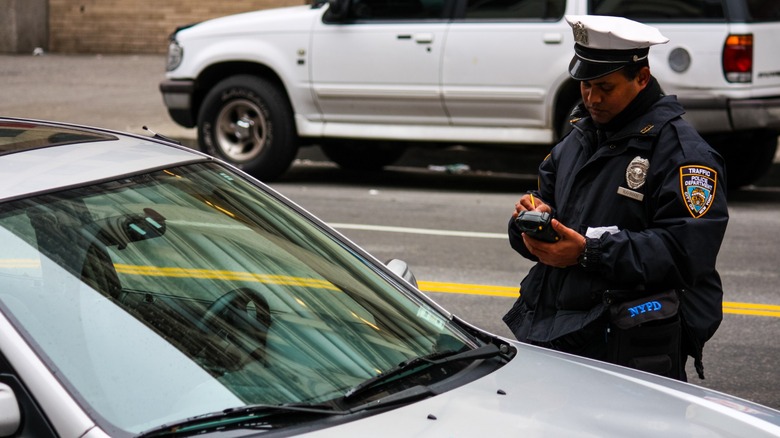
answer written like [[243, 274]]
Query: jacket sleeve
[[544, 193], [687, 214]]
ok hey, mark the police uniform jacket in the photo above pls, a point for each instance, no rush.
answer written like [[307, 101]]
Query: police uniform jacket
[[652, 226]]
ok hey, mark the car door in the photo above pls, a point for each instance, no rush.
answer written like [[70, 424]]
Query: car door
[[503, 60], [380, 64]]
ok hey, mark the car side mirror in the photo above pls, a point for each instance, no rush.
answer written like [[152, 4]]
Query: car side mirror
[[401, 269], [337, 9], [10, 416]]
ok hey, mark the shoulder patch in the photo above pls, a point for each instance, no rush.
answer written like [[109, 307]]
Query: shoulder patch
[[698, 185]]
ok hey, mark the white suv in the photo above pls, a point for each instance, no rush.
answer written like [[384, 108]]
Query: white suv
[[366, 78]]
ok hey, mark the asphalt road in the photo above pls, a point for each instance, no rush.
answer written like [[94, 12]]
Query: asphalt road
[[450, 229], [115, 92], [120, 92]]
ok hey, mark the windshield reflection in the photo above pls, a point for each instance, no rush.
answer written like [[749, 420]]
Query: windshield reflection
[[188, 290]]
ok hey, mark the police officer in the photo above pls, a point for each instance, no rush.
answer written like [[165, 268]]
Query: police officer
[[638, 200]]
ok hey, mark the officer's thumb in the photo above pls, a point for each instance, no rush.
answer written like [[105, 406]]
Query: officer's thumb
[[562, 229]]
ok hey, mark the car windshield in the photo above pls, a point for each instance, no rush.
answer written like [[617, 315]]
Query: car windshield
[[190, 290]]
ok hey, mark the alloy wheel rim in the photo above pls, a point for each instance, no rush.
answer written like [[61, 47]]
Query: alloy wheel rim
[[241, 132]]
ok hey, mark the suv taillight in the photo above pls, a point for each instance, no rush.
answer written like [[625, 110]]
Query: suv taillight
[[738, 58]]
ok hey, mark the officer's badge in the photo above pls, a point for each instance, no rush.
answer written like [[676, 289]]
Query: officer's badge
[[580, 33], [636, 172], [698, 185]]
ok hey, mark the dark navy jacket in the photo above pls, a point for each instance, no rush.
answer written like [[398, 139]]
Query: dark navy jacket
[[663, 235]]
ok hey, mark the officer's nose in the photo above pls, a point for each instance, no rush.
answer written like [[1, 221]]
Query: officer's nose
[[592, 96]]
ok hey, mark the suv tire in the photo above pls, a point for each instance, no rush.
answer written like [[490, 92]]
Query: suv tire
[[247, 121]]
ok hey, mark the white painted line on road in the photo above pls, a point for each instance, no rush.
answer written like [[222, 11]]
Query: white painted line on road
[[427, 231]]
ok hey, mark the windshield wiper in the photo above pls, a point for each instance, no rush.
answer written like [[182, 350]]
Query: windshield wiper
[[424, 362], [255, 416]]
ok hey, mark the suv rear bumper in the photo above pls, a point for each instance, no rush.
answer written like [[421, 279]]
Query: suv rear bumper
[[719, 115], [756, 114], [177, 96]]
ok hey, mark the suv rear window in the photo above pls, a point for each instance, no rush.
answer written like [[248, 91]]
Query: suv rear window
[[764, 10], [663, 10]]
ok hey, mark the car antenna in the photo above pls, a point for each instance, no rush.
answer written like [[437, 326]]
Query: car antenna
[[161, 137]]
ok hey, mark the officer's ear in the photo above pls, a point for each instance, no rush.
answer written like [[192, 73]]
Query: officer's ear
[[643, 77]]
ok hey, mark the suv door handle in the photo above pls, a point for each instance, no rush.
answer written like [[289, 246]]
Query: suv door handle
[[421, 38], [552, 38]]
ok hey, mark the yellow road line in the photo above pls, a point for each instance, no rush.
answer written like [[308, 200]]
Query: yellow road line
[[469, 289], [751, 309], [514, 292], [154, 271], [733, 308]]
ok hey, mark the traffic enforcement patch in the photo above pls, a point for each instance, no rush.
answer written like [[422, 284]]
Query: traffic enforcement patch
[[698, 184]]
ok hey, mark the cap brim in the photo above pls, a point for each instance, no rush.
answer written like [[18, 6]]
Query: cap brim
[[586, 71]]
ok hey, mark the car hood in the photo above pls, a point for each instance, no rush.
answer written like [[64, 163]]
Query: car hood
[[546, 393]]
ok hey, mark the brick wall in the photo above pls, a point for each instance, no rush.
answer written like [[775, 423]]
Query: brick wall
[[134, 26]]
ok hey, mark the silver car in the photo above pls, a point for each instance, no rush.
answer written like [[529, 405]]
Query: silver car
[[150, 290]]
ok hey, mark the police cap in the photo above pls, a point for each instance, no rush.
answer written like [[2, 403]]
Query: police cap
[[604, 44]]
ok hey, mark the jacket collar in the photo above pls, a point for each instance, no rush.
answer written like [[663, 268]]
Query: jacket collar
[[646, 125]]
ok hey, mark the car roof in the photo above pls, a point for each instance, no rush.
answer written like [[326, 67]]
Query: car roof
[[38, 156]]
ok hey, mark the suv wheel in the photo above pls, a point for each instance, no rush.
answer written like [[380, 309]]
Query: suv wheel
[[247, 121], [363, 155], [749, 155], [569, 99]]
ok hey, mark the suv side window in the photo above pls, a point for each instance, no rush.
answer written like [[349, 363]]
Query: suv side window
[[382, 10], [660, 10], [509, 9]]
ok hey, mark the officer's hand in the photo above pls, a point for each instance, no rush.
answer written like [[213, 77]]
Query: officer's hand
[[530, 203], [560, 254]]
